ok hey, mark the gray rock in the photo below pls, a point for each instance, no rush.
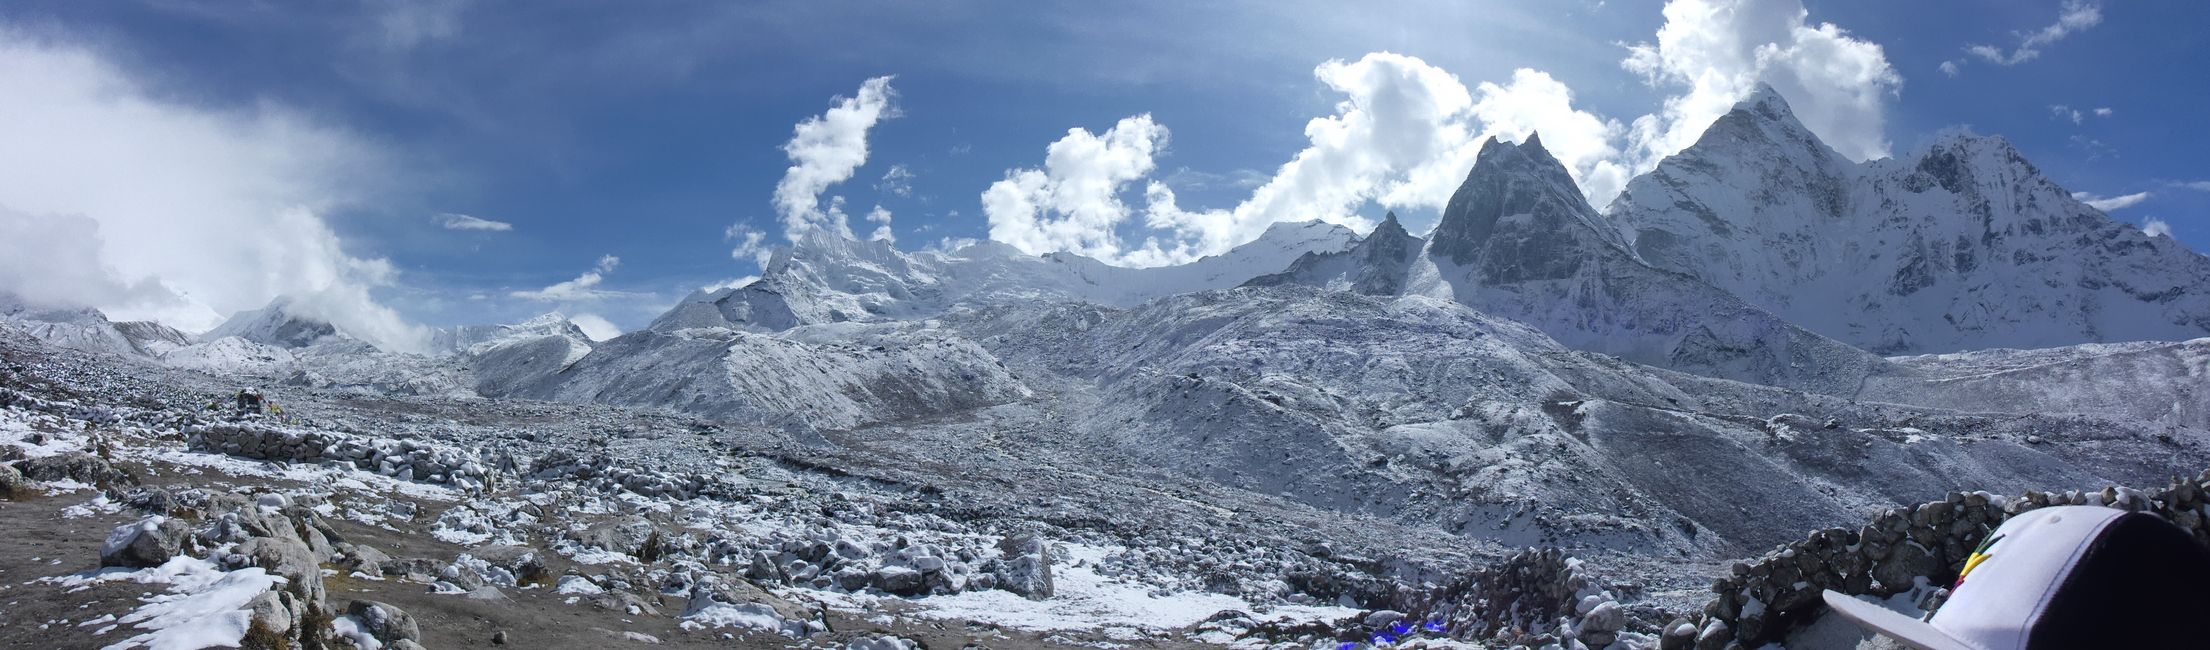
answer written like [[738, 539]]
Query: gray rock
[[284, 557], [274, 615], [144, 543], [387, 623], [363, 558], [628, 535], [1904, 562], [1605, 617], [899, 580], [13, 485], [1025, 568], [524, 562]]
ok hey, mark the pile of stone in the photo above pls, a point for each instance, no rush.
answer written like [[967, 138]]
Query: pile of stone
[[1901, 548], [273, 534], [1534, 598], [406, 460], [602, 473]]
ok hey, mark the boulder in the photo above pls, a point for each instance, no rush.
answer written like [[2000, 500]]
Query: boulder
[[1025, 566], [144, 543], [631, 535], [12, 483], [387, 623]]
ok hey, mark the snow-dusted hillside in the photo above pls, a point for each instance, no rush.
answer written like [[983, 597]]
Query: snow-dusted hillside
[[1518, 241], [89, 330], [851, 379], [2156, 382], [1960, 245], [825, 278], [277, 325]]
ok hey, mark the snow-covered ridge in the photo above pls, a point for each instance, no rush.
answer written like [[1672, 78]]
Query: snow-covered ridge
[[825, 278], [1961, 244], [1519, 241]]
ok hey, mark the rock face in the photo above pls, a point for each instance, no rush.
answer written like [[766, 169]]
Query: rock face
[[385, 622], [1519, 241], [1962, 244]]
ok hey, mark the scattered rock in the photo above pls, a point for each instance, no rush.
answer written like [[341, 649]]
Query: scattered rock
[[12, 483], [144, 543]]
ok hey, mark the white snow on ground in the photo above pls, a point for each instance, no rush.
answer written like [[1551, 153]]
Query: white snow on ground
[[1084, 600], [350, 628], [204, 608], [755, 616]]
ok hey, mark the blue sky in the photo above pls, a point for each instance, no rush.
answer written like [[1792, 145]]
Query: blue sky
[[650, 136]]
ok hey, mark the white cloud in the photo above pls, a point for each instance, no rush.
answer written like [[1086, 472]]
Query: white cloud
[[1951, 68], [584, 287], [2062, 112], [456, 221], [898, 181], [219, 205], [2196, 185], [1718, 50], [1073, 203], [2103, 112], [2077, 16], [733, 283], [56, 261], [2110, 204], [595, 326], [1404, 136], [2155, 227], [750, 245], [825, 150], [881, 218]]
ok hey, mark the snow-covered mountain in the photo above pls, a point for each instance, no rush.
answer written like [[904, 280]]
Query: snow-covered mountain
[[826, 278], [87, 329], [275, 325], [1518, 241], [1962, 244]]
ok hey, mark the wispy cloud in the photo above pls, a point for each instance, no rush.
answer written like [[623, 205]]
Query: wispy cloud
[[896, 182], [457, 221], [2077, 16], [2112, 203], [584, 287]]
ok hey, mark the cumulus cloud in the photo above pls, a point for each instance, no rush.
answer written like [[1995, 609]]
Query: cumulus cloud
[[2076, 16], [2112, 203], [595, 326], [1718, 50], [1073, 202], [825, 150], [1404, 136], [2103, 112], [2156, 227], [881, 218], [221, 206], [456, 221], [584, 287], [750, 244]]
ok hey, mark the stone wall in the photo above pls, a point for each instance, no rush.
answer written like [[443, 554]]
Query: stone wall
[[1765, 598], [406, 460]]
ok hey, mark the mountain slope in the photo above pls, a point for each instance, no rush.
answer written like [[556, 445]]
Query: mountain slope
[[1518, 241], [825, 278], [1962, 244], [274, 325]]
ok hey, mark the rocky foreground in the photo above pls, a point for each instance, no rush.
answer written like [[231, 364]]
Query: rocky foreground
[[139, 519]]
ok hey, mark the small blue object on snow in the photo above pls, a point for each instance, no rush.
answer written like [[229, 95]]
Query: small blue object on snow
[[1434, 626], [1400, 629], [1347, 645]]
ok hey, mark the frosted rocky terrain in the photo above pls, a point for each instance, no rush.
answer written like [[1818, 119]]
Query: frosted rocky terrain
[[1537, 424]]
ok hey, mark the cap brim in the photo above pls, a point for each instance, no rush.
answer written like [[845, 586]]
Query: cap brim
[[1888, 623]]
